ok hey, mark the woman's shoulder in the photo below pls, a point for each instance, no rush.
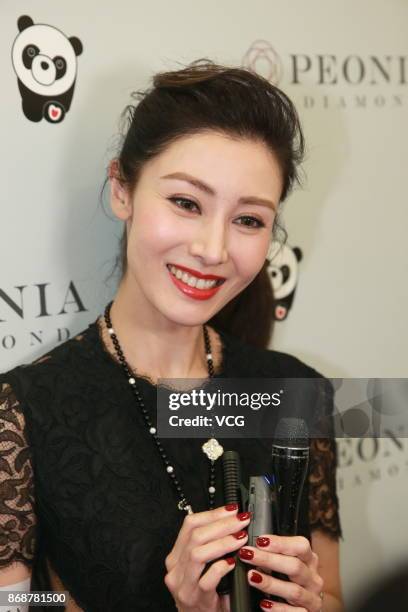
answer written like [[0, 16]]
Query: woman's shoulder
[[249, 361], [62, 359], [252, 359]]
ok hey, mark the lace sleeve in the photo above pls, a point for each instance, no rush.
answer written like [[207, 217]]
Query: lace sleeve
[[323, 500], [17, 517]]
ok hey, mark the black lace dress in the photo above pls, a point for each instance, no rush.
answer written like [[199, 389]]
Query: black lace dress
[[83, 490]]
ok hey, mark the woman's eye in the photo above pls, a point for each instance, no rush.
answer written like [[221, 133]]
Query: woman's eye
[[258, 222], [185, 204]]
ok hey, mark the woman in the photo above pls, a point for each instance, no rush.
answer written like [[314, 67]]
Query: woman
[[94, 502]]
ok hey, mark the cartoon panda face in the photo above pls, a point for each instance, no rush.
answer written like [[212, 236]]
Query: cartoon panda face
[[43, 69], [44, 59], [283, 269]]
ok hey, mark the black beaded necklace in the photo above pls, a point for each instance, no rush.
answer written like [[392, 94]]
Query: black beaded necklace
[[211, 448]]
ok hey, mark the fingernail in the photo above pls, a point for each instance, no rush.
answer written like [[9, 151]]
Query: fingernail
[[263, 541], [230, 560], [240, 534], [231, 507], [246, 553], [243, 516], [255, 577], [265, 603]]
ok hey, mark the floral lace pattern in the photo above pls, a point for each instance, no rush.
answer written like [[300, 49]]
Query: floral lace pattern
[[17, 516], [77, 461], [323, 500]]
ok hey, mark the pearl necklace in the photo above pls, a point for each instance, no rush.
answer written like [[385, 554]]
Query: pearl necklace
[[212, 448]]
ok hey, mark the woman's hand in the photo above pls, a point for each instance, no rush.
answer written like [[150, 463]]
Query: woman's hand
[[294, 557], [203, 537]]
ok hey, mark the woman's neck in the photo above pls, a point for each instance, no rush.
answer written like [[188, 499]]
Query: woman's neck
[[166, 351]]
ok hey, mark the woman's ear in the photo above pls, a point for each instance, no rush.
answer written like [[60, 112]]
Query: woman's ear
[[119, 198]]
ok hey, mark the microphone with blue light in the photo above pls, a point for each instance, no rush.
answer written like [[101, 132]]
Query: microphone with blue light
[[274, 498]]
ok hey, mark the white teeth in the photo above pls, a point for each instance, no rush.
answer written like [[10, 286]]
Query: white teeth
[[192, 281], [209, 283]]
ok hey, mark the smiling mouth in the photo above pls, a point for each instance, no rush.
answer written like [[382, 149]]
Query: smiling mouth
[[194, 281]]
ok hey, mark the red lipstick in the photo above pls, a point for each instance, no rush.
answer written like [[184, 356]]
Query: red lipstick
[[194, 292], [198, 274]]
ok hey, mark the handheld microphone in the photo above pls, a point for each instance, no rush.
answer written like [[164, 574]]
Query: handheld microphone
[[290, 460], [261, 503], [234, 492]]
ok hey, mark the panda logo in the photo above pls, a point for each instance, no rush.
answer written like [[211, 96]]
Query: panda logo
[[282, 269], [45, 62]]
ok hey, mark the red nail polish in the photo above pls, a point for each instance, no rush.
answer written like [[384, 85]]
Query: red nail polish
[[231, 507], [255, 577], [230, 560], [240, 534], [246, 553], [243, 516], [263, 541], [266, 603]]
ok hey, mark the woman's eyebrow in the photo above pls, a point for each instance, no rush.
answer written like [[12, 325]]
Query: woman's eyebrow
[[183, 176]]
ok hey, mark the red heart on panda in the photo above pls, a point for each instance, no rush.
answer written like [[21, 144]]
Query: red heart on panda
[[55, 112], [280, 312]]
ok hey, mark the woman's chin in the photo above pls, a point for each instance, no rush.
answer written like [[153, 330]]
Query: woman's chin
[[190, 316]]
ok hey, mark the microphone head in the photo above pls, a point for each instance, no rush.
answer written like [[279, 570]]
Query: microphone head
[[292, 433]]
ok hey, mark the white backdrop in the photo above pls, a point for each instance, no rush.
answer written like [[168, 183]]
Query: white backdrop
[[346, 67]]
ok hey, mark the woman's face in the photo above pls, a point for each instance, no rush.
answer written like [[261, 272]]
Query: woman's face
[[207, 203]]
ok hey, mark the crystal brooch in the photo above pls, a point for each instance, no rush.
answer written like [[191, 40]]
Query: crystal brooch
[[213, 449]]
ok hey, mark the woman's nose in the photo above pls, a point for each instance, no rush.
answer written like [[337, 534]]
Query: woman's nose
[[210, 244]]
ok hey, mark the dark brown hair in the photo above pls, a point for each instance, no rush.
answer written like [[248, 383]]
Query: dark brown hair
[[239, 103]]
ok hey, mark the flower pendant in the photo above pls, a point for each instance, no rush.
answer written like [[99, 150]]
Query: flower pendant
[[213, 449]]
